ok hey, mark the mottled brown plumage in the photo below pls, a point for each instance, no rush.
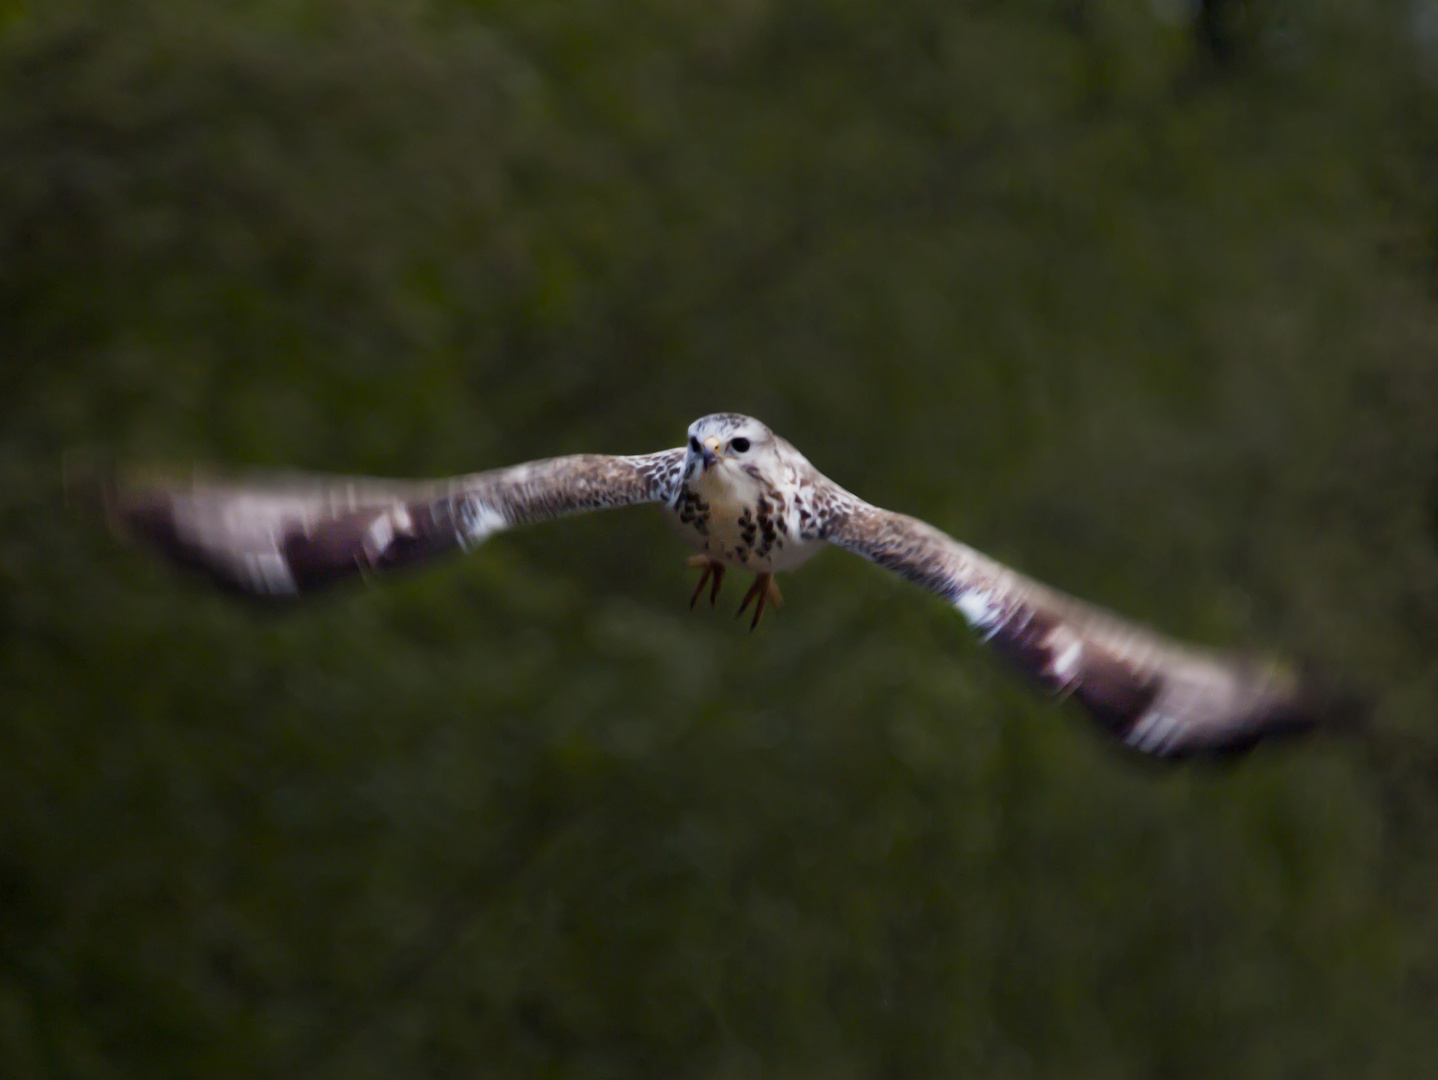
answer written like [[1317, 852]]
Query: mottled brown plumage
[[283, 534], [745, 499], [1156, 695]]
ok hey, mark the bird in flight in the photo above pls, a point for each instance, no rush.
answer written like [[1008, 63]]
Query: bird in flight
[[744, 499]]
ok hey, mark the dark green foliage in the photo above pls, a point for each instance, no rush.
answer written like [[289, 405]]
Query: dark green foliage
[[1157, 328]]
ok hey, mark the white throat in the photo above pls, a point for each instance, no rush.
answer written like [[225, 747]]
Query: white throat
[[726, 485]]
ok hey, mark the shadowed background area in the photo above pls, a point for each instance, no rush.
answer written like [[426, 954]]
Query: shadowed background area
[[1137, 297]]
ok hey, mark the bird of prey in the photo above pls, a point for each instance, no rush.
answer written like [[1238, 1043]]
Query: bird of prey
[[744, 499]]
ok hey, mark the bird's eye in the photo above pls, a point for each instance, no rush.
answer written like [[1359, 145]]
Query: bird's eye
[[739, 445], [694, 444]]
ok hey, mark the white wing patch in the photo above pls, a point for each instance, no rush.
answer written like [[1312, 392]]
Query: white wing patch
[[478, 521], [1067, 661], [269, 573], [379, 535], [1153, 732], [979, 609]]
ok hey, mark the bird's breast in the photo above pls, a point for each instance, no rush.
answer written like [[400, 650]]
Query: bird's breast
[[751, 530]]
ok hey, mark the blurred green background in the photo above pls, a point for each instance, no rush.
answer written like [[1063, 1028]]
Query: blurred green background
[[1139, 296]]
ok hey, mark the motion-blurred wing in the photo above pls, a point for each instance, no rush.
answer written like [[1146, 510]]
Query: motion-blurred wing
[[284, 534], [1154, 694]]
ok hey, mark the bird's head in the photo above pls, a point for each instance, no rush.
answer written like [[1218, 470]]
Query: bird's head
[[725, 442]]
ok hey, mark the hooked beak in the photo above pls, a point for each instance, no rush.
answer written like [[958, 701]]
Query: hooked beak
[[710, 452]]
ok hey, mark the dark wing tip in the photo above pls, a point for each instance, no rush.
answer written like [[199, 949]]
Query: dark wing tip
[[1316, 704], [281, 541], [136, 506], [104, 491], [1330, 703]]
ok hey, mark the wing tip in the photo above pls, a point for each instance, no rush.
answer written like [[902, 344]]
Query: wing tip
[[108, 492], [135, 504], [1316, 703], [111, 491], [1332, 703]]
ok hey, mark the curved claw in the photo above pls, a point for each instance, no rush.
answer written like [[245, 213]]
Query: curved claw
[[713, 575], [764, 590]]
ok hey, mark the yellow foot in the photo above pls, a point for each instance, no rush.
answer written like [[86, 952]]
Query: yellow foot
[[713, 573], [765, 591]]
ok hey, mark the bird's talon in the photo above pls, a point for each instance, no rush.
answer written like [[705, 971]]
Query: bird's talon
[[763, 592], [713, 575]]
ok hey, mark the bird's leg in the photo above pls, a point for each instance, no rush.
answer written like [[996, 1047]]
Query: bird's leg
[[762, 591], [713, 574]]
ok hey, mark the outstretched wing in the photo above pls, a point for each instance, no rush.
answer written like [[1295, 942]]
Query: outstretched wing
[[284, 534], [1156, 695]]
